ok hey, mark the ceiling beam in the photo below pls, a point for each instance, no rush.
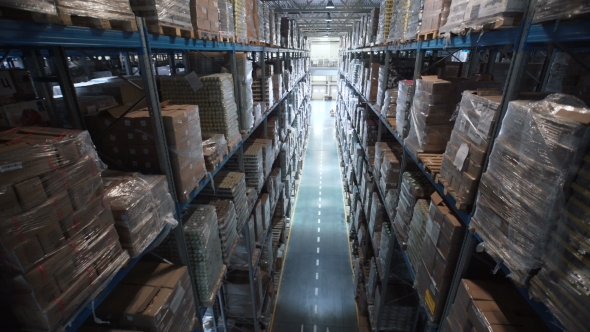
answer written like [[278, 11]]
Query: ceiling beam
[[351, 9]]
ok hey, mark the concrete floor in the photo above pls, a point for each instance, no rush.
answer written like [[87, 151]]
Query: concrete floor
[[316, 292]]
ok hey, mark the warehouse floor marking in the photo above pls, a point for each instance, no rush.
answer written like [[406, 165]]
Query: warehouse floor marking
[[299, 305]]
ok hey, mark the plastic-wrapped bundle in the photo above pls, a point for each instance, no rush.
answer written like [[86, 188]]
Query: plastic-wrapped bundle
[[380, 86], [226, 19], [402, 111], [460, 172], [417, 232], [111, 10], [523, 191], [455, 17], [244, 74], [432, 109], [390, 103], [239, 17], [508, 13], [260, 20], [232, 186], [377, 216], [414, 20], [34, 6], [398, 32], [141, 206], [252, 20], [175, 13], [217, 106], [58, 240], [268, 157], [385, 14], [238, 293], [214, 150], [266, 22], [226, 217], [414, 186], [548, 10], [253, 166], [267, 92], [434, 15]]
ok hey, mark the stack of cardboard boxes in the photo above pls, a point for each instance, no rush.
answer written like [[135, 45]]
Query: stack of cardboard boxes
[[18, 106], [413, 187], [58, 239], [205, 16], [164, 13], [440, 252]]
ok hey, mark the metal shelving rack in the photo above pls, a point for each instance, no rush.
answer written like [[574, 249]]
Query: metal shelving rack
[[566, 36], [36, 42]]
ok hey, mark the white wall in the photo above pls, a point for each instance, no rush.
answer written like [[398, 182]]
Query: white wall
[[324, 50]]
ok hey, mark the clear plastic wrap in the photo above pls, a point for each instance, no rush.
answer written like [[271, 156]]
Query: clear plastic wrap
[[244, 74], [455, 17], [414, 20], [251, 20], [239, 17], [416, 233], [414, 186], [549, 10], [175, 13], [111, 10], [385, 13], [397, 34], [214, 150], [141, 206], [377, 215], [57, 238], [389, 103], [431, 115], [483, 13], [232, 186], [35, 6], [226, 217], [460, 172], [226, 19], [253, 166], [217, 106], [523, 191], [434, 15], [402, 111]]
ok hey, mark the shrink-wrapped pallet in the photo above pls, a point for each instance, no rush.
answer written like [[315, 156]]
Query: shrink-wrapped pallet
[[164, 13], [414, 20], [32, 6], [523, 191], [434, 16], [549, 10], [226, 19], [385, 13], [402, 111], [239, 17], [227, 225], [214, 150], [417, 233], [232, 186], [118, 10], [390, 103], [413, 187]]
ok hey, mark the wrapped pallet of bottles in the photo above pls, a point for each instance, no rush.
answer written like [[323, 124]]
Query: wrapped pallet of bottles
[[523, 191], [59, 241], [433, 17], [109, 15], [417, 232], [549, 10], [227, 220], [239, 17], [399, 21], [161, 15], [482, 15], [226, 20], [403, 104], [231, 186], [245, 79], [214, 150], [218, 110], [205, 17], [385, 13]]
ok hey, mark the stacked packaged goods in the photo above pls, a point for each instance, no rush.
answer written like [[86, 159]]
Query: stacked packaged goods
[[226, 20], [268, 157], [467, 149], [490, 306], [454, 21], [58, 240], [494, 15], [377, 217], [252, 20], [385, 13], [414, 20], [372, 84], [416, 233], [389, 108], [214, 150], [399, 21], [244, 74], [381, 86], [434, 104], [567, 75], [141, 206], [434, 16], [253, 166], [132, 145], [523, 191], [402, 111], [205, 16], [414, 186], [549, 10], [372, 26], [264, 92], [217, 106], [226, 217], [277, 86], [152, 297], [164, 13], [439, 256], [33, 6], [107, 13], [239, 16], [389, 177], [232, 186], [565, 296]]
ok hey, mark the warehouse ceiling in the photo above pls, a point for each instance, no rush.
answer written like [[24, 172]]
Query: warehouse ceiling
[[312, 15]]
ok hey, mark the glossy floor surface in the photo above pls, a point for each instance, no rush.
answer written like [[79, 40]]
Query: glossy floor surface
[[316, 292]]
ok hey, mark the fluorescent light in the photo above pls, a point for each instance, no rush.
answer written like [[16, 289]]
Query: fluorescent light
[[330, 4]]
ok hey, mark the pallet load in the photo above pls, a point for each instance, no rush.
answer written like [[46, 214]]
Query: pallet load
[[477, 15], [152, 297], [433, 106], [263, 92], [268, 156], [165, 17], [239, 17], [385, 13], [467, 148], [226, 20], [372, 84], [439, 256], [415, 12], [413, 187], [238, 294], [214, 150], [35, 10], [389, 108], [433, 17], [399, 21], [532, 163], [253, 166], [232, 186], [58, 238], [402, 111], [417, 232], [490, 306], [552, 285], [227, 225], [142, 206], [205, 18], [244, 74], [218, 110], [549, 10], [97, 14]]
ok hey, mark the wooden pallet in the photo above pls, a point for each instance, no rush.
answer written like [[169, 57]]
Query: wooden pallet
[[226, 39], [25, 15], [207, 35], [431, 163], [98, 23], [241, 40], [429, 35], [171, 31]]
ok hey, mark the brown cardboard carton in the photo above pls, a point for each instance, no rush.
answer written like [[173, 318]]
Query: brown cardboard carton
[[30, 192], [8, 201], [24, 255]]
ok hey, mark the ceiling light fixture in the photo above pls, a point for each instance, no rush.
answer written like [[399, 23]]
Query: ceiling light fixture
[[329, 18], [330, 4]]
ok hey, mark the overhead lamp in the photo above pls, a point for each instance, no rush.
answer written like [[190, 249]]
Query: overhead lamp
[[329, 18], [330, 4]]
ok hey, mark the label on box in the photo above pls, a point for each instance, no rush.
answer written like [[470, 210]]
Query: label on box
[[194, 81], [177, 298], [127, 123], [461, 156], [11, 167], [485, 122], [429, 301]]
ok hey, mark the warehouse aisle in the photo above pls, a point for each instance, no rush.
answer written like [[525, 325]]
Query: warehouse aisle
[[316, 291]]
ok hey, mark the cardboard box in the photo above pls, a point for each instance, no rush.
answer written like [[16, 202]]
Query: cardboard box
[[203, 23], [25, 113], [30, 193]]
